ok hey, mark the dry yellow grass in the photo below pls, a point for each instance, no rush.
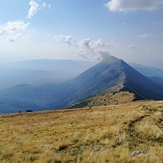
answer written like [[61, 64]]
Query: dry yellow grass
[[105, 98], [100, 135]]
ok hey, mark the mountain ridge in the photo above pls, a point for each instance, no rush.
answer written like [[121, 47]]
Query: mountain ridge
[[153, 73], [110, 75]]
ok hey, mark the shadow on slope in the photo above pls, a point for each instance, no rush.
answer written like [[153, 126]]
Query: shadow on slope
[[110, 75]]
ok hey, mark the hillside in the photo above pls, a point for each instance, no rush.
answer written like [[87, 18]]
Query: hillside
[[112, 75], [108, 76], [141, 86], [147, 70], [105, 99], [103, 76], [100, 135], [151, 72]]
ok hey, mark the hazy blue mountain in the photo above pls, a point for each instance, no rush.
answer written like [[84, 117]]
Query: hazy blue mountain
[[45, 95], [151, 72], [110, 75], [41, 71], [115, 73], [142, 86], [15, 106]]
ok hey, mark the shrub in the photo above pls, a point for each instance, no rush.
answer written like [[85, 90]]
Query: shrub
[[29, 110]]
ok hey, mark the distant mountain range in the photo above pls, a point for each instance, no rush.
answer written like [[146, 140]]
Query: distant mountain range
[[41, 71], [110, 75], [15, 106], [151, 72]]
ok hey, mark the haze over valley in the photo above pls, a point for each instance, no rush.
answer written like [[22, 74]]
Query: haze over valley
[[41, 71]]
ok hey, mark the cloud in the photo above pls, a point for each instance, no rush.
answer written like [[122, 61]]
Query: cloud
[[15, 37], [87, 48], [144, 35], [33, 9], [132, 5], [13, 30], [44, 4], [64, 39], [93, 49], [14, 26]]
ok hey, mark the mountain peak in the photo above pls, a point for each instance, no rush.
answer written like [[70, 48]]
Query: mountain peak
[[110, 75], [110, 59], [113, 74]]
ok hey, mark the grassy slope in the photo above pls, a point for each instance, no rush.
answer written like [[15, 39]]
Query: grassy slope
[[103, 134], [105, 98]]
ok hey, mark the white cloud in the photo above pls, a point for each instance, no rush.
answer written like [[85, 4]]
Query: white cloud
[[97, 49], [15, 37], [132, 5], [144, 35], [13, 30], [63, 38], [14, 26], [87, 48], [44, 4], [33, 9]]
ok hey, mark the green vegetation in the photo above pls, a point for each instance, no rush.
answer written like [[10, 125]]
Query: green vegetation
[[100, 135]]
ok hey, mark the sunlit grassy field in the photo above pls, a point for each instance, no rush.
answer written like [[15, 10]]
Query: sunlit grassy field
[[98, 135]]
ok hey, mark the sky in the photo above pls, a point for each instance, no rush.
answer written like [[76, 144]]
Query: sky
[[91, 30]]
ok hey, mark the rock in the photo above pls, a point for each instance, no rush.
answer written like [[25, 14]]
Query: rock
[[137, 153]]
